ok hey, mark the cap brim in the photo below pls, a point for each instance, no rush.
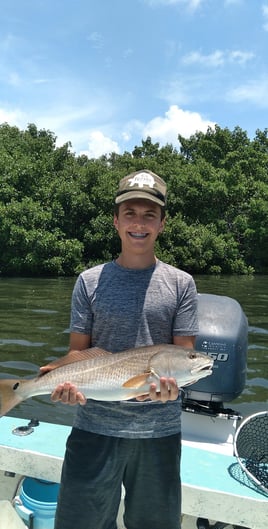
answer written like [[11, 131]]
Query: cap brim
[[130, 195]]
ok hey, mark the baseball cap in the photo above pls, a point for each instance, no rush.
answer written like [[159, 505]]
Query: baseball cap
[[142, 184]]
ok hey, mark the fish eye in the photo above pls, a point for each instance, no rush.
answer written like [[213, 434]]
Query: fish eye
[[16, 386], [192, 355]]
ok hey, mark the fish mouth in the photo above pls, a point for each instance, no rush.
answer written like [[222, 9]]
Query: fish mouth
[[198, 373], [207, 369]]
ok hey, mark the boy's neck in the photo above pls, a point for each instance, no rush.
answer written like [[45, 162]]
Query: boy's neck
[[137, 262]]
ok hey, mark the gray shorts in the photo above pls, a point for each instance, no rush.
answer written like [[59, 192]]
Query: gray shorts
[[94, 469]]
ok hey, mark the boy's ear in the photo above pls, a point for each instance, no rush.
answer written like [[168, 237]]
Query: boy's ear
[[115, 221], [162, 225]]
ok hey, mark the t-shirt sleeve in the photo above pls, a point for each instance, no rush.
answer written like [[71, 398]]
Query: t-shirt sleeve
[[81, 313], [186, 320]]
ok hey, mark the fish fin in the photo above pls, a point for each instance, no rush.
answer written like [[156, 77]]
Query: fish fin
[[74, 356], [137, 381], [8, 397]]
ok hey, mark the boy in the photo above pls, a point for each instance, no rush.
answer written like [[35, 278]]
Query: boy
[[133, 301]]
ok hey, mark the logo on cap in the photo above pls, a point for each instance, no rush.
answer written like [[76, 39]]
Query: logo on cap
[[142, 179]]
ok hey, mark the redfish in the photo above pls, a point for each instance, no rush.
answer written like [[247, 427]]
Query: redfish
[[106, 376]]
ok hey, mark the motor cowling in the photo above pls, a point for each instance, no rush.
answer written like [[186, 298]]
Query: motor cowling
[[223, 335]]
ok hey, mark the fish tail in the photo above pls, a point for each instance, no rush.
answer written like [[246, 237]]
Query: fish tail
[[8, 396]]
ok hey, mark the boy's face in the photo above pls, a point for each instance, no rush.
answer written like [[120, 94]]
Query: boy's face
[[138, 224]]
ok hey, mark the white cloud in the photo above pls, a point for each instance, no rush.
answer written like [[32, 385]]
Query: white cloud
[[265, 15], [68, 125], [8, 43], [14, 79], [12, 117], [176, 121], [240, 57], [164, 129], [177, 91], [255, 91], [66, 116], [127, 53], [96, 39], [133, 128], [217, 58], [232, 2], [41, 80], [98, 144], [191, 4], [213, 59]]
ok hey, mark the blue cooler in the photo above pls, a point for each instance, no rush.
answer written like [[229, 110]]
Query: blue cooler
[[37, 502]]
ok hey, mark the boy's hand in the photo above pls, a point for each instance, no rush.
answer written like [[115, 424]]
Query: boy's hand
[[168, 391], [67, 393]]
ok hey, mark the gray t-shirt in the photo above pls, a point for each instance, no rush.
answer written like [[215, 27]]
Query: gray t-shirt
[[121, 308]]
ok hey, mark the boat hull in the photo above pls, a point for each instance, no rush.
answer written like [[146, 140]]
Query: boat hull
[[212, 484]]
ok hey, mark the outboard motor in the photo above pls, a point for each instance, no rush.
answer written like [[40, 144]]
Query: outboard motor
[[223, 335]]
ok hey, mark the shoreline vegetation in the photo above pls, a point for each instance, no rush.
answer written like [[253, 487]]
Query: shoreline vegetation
[[56, 206]]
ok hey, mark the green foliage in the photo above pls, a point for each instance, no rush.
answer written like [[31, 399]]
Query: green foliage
[[56, 209]]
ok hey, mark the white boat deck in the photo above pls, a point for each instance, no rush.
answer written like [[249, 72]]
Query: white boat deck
[[213, 485]]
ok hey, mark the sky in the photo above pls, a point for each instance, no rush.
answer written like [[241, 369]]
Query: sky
[[105, 74]]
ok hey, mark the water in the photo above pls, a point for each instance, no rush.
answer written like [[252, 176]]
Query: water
[[34, 321]]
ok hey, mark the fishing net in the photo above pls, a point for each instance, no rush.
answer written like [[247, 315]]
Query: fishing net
[[251, 448]]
